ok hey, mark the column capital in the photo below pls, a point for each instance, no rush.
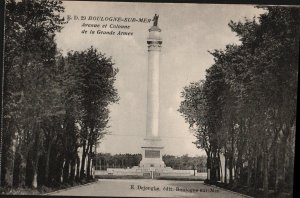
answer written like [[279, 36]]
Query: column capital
[[154, 45]]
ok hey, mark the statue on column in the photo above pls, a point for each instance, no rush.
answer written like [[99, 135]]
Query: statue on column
[[155, 20]]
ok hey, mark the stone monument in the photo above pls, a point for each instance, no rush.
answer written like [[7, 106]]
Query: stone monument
[[152, 146]]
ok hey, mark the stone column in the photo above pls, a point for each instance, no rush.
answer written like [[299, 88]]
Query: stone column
[[154, 46], [152, 146]]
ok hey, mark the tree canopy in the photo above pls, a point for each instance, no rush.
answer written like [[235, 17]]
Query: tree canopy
[[56, 108], [245, 109]]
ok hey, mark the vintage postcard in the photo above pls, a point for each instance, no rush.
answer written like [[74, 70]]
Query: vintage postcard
[[132, 99]]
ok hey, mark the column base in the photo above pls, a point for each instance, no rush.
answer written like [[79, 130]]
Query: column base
[[152, 154]]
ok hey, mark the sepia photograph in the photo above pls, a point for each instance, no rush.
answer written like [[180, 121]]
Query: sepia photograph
[[144, 99]]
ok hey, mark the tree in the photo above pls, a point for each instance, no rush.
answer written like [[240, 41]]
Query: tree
[[95, 77]]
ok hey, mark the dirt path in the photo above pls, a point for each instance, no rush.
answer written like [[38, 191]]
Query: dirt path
[[149, 188]]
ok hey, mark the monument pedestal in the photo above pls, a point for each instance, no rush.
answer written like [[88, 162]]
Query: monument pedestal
[[152, 154]]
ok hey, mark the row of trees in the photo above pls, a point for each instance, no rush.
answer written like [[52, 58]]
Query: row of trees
[[54, 105], [185, 162], [245, 109], [106, 160]]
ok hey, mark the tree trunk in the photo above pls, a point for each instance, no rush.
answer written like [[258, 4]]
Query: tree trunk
[[6, 144], [28, 170], [280, 173], [231, 158], [66, 170], [208, 165], [72, 173], [213, 167], [47, 163], [82, 171], [266, 174], [249, 174], [3, 164], [59, 168], [32, 162], [255, 172], [34, 181], [277, 171], [89, 160], [16, 171], [225, 168], [36, 155], [219, 166], [77, 167], [230, 170]]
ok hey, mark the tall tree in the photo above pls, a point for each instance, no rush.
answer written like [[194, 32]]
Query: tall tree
[[95, 85]]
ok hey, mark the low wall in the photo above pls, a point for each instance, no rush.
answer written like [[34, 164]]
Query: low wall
[[120, 171], [101, 172], [202, 174], [177, 173]]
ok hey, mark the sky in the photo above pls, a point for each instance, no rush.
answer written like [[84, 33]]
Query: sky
[[189, 31]]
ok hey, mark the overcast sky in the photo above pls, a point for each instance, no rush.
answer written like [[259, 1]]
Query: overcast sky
[[188, 32]]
